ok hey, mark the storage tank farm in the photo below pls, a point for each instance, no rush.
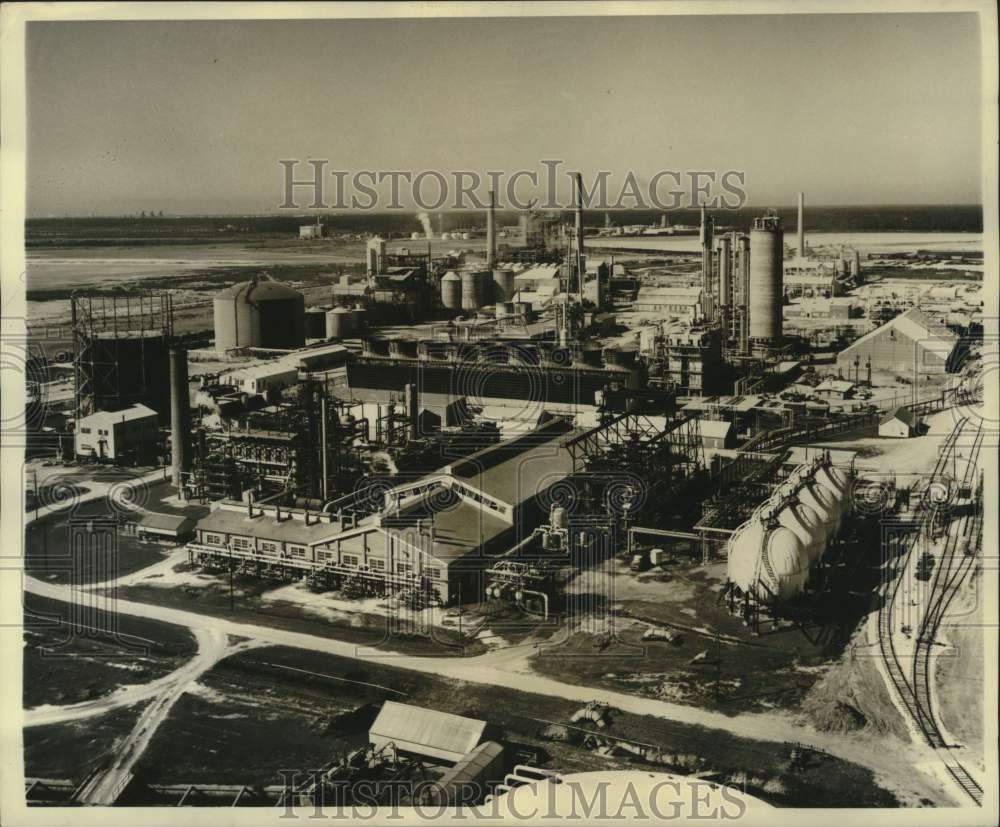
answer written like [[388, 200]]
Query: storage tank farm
[[771, 555], [259, 313], [766, 279]]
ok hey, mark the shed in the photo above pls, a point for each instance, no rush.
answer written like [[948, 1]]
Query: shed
[[717, 434], [900, 423], [426, 732], [165, 526]]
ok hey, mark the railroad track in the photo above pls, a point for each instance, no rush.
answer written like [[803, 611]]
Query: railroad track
[[915, 689]]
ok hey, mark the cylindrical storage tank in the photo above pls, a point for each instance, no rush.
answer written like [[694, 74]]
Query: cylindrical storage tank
[[338, 323], [315, 323], [471, 291], [465, 236], [451, 291], [237, 319], [282, 315], [504, 309], [484, 284], [503, 285], [359, 318], [766, 278]]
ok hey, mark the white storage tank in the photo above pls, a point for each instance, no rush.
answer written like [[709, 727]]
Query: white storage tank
[[451, 291], [767, 559], [338, 323]]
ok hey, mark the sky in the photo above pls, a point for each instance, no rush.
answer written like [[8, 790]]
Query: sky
[[193, 117]]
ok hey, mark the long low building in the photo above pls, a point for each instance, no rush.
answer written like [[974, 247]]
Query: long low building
[[434, 533]]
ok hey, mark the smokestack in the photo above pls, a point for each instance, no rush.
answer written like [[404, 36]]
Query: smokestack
[[744, 262], [491, 238], [707, 237], [180, 418], [580, 268], [802, 231]]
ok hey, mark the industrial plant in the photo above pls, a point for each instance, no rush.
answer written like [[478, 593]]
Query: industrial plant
[[513, 436]]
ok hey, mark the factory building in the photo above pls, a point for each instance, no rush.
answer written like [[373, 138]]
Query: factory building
[[128, 435], [911, 343], [678, 302], [688, 360], [433, 535], [259, 313]]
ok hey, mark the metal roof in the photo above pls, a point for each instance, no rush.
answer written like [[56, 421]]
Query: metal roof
[[156, 521], [258, 290], [426, 731], [265, 527]]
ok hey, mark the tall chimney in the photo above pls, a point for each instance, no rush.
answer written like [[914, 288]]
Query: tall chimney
[[580, 266], [707, 238], [802, 230], [180, 417], [491, 237]]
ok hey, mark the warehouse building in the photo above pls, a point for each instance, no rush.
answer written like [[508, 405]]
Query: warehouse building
[[911, 343]]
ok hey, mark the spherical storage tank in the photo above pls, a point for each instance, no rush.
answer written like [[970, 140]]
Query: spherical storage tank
[[805, 524], [766, 278], [786, 569], [823, 503], [339, 323], [835, 481], [259, 313], [451, 291]]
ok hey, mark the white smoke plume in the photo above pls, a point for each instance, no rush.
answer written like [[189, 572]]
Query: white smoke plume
[[425, 221]]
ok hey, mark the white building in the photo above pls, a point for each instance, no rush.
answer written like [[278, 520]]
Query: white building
[[130, 433], [261, 378], [900, 424]]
